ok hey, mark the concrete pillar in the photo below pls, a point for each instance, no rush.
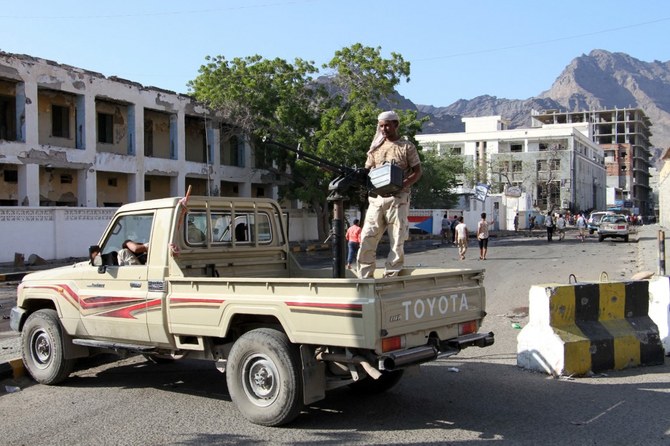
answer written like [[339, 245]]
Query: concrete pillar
[[87, 187], [30, 120], [29, 185]]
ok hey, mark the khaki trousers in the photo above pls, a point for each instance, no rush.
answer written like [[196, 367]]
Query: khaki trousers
[[384, 214]]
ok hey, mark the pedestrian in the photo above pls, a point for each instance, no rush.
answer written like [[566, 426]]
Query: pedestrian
[[483, 236], [446, 228], [549, 224], [454, 222], [353, 237], [388, 212], [461, 238], [560, 225], [531, 224], [581, 226], [516, 222]]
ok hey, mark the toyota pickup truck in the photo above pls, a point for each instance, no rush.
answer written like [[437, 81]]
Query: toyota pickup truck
[[219, 283]]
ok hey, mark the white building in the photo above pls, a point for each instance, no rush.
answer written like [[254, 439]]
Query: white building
[[71, 137], [554, 166]]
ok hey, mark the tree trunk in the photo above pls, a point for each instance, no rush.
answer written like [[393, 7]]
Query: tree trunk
[[322, 211]]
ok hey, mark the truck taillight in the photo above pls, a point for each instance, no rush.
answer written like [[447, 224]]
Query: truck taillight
[[394, 343], [467, 328]]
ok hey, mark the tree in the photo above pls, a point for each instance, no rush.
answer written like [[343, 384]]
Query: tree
[[440, 176], [333, 117]]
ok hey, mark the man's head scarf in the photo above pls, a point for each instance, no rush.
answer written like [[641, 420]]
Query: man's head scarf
[[378, 140]]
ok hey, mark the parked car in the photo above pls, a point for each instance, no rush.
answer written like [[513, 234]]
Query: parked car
[[614, 226], [594, 220]]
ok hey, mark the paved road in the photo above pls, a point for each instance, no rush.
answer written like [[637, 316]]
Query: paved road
[[480, 395]]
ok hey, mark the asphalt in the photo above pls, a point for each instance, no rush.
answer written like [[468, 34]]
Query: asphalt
[[647, 238]]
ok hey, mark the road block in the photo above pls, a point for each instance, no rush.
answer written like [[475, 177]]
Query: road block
[[659, 308], [579, 328]]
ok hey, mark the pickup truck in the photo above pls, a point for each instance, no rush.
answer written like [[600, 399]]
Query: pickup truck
[[219, 283]]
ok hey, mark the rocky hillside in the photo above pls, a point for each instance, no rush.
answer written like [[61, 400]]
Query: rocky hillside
[[595, 81]]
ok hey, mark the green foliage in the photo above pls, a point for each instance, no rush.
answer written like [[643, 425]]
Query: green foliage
[[333, 117], [440, 174]]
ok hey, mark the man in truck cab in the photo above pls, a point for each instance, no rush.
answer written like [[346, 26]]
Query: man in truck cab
[[133, 253]]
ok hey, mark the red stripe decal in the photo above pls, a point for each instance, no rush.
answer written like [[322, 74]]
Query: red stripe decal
[[352, 307]]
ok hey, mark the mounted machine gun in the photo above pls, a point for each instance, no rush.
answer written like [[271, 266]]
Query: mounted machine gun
[[338, 188]]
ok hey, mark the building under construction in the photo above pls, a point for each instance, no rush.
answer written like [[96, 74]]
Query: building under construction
[[624, 136]]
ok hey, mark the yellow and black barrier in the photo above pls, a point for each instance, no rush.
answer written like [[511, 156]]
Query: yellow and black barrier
[[589, 327]]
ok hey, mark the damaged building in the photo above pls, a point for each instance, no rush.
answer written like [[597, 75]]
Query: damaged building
[[72, 137]]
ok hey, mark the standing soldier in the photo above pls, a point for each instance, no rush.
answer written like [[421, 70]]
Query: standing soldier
[[388, 211]]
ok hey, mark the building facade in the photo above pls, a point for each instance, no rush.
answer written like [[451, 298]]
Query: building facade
[[555, 167], [72, 137], [624, 135]]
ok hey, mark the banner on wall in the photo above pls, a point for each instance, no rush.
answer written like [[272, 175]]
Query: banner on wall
[[481, 191]]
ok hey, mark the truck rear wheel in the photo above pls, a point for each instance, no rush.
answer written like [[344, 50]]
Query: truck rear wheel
[[371, 386], [263, 374], [43, 350]]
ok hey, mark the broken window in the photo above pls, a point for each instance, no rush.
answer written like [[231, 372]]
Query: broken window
[[7, 118], [148, 137], [60, 121], [11, 176], [105, 128]]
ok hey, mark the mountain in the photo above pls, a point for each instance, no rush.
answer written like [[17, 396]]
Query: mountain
[[599, 80]]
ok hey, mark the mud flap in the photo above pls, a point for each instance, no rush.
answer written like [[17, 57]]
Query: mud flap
[[313, 376]]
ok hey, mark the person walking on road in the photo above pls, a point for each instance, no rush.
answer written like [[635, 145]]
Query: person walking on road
[[581, 226], [461, 238], [483, 236], [446, 228], [353, 237], [454, 222], [560, 225], [549, 224]]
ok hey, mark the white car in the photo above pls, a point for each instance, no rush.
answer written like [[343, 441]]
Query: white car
[[614, 226]]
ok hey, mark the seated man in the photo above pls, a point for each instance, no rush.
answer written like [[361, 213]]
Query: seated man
[[133, 253]]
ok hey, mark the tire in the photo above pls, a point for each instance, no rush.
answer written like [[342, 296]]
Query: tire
[[601, 238], [43, 348], [264, 377], [371, 386], [625, 239]]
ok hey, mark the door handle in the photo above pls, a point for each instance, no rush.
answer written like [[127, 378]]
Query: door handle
[[135, 284]]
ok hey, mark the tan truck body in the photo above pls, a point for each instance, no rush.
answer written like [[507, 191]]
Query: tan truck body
[[218, 268]]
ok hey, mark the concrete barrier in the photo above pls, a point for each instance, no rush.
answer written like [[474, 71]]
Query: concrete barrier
[[659, 308], [589, 327]]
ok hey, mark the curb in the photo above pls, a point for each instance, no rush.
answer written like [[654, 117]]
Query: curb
[[12, 369]]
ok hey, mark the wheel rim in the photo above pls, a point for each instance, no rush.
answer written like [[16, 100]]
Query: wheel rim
[[260, 379], [40, 348]]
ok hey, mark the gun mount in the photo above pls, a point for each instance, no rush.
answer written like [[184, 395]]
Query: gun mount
[[345, 178]]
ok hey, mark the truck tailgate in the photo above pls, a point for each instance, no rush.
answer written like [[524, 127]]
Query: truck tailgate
[[429, 299]]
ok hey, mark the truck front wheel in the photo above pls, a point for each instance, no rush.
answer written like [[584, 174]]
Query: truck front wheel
[[43, 350], [264, 377]]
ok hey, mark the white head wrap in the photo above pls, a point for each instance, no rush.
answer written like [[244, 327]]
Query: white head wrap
[[388, 116], [378, 140]]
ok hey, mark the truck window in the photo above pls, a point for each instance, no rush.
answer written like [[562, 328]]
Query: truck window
[[195, 229], [136, 227], [242, 229]]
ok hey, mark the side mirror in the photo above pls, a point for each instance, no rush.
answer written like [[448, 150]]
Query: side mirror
[[102, 269]]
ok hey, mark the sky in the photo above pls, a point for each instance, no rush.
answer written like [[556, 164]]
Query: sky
[[457, 49]]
